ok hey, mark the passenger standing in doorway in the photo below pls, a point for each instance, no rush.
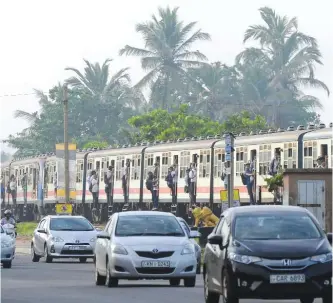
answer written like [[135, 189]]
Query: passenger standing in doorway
[[108, 183], [13, 188], [155, 186], [274, 165], [94, 189], [249, 177], [224, 176], [192, 182]]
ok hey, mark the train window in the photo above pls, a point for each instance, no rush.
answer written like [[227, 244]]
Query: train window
[[290, 155], [119, 167], [241, 159], [90, 164], [79, 171], [185, 159], [148, 164], [135, 171], [166, 163], [264, 159], [204, 167]]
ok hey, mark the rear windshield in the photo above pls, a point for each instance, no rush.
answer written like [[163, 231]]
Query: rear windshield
[[283, 227], [70, 224], [142, 225]]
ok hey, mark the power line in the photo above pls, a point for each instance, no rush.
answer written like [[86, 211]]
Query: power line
[[17, 95]]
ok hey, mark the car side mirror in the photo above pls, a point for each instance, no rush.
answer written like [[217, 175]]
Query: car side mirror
[[42, 231], [194, 234], [103, 235], [215, 239], [194, 228], [329, 237]]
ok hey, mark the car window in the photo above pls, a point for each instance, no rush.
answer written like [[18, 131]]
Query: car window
[[71, 224], [41, 224], [109, 229], [225, 231], [219, 226], [107, 225], [151, 225], [284, 227], [185, 228]]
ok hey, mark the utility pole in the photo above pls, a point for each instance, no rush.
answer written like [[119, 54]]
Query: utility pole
[[65, 93], [229, 157]]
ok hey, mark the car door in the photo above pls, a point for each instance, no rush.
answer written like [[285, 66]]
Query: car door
[[44, 236], [221, 251], [214, 255], [39, 249], [100, 250]]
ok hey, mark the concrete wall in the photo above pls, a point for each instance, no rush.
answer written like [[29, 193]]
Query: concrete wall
[[290, 191]]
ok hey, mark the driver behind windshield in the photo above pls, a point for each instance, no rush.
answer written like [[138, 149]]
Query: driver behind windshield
[[8, 219]]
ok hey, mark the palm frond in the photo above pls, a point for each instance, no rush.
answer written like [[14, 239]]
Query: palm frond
[[29, 117], [134, 51], [147, 79]]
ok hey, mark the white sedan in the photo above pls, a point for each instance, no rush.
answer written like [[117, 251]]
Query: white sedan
[[8, 245], [144, 245]]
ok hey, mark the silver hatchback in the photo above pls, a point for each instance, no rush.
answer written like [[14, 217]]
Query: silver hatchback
[[144, 245], [63, 237]]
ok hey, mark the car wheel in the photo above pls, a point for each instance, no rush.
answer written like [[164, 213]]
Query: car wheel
[[99, 280], [7, 264], [198, 267], [307, 300], [34, 257], [190, 282], [110, 282], [48, 259], [83, 260], [174, 282], [228, 295], [210, 297]]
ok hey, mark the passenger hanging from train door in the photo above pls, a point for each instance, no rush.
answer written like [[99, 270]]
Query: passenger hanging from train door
[[108, 182], [13, 188], [55, 184], [249, 181], [95, 190], [155, 189], [169, 180], [275, 163], [192, 183], [224, 175]]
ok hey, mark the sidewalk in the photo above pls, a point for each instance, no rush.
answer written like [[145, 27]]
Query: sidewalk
[[23, 245]]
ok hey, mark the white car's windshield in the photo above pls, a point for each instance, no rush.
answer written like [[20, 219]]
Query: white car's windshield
[[279, 227], [142, 225], [70, 224]]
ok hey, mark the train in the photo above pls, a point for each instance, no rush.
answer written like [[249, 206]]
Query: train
[[297, 148]]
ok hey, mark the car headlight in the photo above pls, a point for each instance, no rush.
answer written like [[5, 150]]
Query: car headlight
[[92, 239], [188, 249], [322, 258], [119, 250], [57, 239], [243, 259], [6, 244]]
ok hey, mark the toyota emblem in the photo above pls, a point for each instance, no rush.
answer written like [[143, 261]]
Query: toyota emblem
[[286, 262], [155, 250], [77, 241]]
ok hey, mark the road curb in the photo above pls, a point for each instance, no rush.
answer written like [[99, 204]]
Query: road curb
[[22, 250]]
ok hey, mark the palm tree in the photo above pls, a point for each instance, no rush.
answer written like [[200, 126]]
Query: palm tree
[[167, 52], [288, 58]]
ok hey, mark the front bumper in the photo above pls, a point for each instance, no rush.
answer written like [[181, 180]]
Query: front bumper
[[64, 250], [129, 267], [7, 253], [252, 281]]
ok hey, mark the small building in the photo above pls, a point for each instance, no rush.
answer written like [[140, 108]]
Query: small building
[[310, 188]]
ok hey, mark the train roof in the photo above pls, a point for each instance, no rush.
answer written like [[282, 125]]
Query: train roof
[[268, 138], [323, 133], [128, 150]]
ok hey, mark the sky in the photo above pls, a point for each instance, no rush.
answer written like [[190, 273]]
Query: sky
[[39, 39]]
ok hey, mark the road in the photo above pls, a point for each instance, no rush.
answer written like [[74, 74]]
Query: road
[[72, 282]]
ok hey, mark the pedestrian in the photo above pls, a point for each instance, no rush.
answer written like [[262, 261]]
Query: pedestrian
[[95, 190], [249, 181], [108, 183], [192, 183], [13, 188]]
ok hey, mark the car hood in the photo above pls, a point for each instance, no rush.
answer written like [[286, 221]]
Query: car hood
[[161, 243], [74, 236], [282, 248]]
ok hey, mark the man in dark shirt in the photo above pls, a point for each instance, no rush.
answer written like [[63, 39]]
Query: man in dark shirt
[[248, 173]]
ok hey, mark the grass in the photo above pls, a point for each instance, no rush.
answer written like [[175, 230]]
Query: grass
[[26, 228]]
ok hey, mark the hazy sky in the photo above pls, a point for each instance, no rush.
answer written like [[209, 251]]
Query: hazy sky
[[40, 38]]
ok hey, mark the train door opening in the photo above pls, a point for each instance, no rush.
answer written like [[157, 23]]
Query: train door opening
[[324, 155]]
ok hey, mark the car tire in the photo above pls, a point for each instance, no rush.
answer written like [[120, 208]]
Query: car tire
[[48, 259], [34, 257], [83, 260], [99, 279], [7, 264], [327, 299], [228, 295], [210, 297], [110, 282], [307, 300], [198, 267], [190, 282], [174, 282]]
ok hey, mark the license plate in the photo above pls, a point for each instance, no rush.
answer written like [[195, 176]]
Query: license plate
[[287, 279], [76, 248], [155, 264]]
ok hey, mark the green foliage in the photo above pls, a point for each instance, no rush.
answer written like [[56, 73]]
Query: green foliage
[[160, 125], [97, 144], [4, 157], [26, 228], [273, 183]]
